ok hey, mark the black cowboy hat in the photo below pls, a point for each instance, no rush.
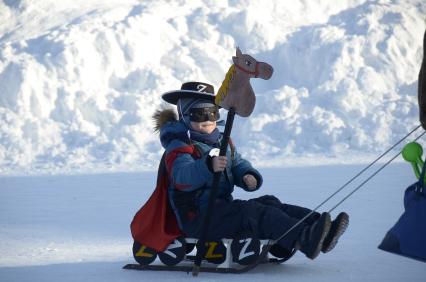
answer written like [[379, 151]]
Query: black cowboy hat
[[191, 90]]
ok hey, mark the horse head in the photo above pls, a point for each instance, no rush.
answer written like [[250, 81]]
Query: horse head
[[249, 65], [236, 91]]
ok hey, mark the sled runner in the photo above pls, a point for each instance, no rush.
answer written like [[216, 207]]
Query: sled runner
[[225, 256]]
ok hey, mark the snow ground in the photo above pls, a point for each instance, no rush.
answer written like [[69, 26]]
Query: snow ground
[[76, 228]]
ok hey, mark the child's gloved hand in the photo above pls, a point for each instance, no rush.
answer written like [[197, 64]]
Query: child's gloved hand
[[219, 163], [250, 181]]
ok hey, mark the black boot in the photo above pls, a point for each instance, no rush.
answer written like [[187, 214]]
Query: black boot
[[312, 236], [338, 227]]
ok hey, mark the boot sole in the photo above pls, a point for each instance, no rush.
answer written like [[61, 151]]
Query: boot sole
[[326, 222], [343, 225]]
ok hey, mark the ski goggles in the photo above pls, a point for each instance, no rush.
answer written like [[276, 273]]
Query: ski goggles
[[204, 114]]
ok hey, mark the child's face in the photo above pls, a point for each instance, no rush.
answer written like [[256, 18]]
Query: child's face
[[204, 126]]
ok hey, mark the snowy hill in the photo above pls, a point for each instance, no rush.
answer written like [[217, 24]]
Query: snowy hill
[[79, 83]]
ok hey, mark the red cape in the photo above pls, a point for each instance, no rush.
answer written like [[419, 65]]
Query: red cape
[[155, 224]]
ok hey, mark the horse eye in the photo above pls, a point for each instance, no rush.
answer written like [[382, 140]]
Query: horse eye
[[248, 63]]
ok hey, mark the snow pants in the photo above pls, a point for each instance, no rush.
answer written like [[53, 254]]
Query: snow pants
[[265, 217]]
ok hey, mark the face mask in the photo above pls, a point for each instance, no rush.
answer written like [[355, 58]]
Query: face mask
[[204, 114]]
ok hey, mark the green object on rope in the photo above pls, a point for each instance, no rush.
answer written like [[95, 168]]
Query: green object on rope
[[412, 153]]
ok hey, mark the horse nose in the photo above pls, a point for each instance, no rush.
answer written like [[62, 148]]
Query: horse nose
[[269, 71], [266, 70]]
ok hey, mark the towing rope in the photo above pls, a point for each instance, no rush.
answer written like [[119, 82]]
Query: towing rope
[[351, 180], [371, 176]]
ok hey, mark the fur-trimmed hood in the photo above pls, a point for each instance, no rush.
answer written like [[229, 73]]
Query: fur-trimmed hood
[[170, 128], [162, 116]]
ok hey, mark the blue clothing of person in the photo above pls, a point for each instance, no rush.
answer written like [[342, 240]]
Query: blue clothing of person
[[189, 169]]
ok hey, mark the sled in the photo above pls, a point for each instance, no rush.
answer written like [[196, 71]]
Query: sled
[[236, 255]]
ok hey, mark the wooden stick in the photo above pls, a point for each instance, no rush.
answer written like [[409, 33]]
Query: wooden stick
[[213, 194]]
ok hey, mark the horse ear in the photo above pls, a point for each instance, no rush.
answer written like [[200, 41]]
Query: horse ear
[[239, 53]]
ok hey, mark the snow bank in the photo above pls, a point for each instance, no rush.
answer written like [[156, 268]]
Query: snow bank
[[79, 84]]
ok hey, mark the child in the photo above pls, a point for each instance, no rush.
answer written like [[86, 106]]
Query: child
[[191, 142]]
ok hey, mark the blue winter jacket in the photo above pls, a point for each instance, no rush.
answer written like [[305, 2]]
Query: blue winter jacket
[[189, 174]]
